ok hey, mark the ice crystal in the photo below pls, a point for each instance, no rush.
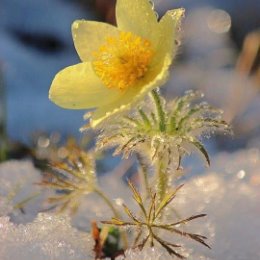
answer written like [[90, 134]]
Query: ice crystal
[[17, 182], [5, 206], [154, 254], [231, 203], [147, 254], [93, 207], [48, 237]]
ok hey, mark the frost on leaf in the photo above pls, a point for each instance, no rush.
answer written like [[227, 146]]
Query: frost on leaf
[[165, 131]]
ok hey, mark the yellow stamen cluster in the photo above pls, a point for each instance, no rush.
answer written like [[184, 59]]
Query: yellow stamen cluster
[[122, 60]]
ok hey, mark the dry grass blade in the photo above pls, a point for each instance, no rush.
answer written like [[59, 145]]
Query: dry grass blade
[[137, 238], [168, 248], [143, 243], [199, 238], [149, 223], [130, 214], [167, 200], [250, 52], [117, 222], [184, 221], [137, 197], [71, 179], [200, 148], [151, 215]]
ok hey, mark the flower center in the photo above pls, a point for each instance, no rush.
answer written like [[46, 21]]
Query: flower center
[[122, 60]]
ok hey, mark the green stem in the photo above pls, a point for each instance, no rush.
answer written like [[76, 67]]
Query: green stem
[[108, 202], [144, 175], [162, 178], [22, 203], [115, 212], [159, 109]]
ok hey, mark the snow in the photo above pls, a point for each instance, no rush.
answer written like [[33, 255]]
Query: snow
[[154, 254], [93, 207], [47, 237], [17, 184], [228, 193], [5, 206]]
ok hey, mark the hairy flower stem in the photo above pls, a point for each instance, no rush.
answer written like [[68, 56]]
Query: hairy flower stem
[[162, 179], [144, 175], [160, 167], [159, 110], [107, 201], [115, 212]]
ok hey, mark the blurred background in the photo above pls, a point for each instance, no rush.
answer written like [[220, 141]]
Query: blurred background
[[219, 54]]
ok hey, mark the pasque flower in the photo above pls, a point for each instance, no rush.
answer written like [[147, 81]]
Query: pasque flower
[[119, 64]]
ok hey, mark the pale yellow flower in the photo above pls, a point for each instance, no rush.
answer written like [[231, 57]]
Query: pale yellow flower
[[119, 64]]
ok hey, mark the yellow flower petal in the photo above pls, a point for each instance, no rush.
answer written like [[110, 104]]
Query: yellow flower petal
[[137, 16], [78, 87], [88, 36], [168, 33], [130, 97], [158, 71]]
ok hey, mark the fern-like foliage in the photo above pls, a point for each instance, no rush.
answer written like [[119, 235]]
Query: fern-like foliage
[[71, 179], [150, 222], [165, 132]]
